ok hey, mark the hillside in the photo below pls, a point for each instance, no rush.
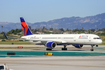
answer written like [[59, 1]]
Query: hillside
[[89, 22]]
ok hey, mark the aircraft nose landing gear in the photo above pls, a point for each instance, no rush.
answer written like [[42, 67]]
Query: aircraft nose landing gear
[[92, 49]]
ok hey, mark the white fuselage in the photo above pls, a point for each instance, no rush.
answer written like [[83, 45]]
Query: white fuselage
[[85, 39]]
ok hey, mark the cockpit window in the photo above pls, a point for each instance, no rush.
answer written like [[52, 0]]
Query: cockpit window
[[1, 67], [97, 38]]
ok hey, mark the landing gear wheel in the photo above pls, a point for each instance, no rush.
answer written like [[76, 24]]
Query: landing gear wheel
[[64, 48], [96, 45], [48, 49], [91, 49]]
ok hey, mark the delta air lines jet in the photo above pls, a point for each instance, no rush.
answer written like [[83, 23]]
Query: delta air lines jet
[[52, 40]]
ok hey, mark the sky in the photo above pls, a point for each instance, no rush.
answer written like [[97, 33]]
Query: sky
[[45, 10]]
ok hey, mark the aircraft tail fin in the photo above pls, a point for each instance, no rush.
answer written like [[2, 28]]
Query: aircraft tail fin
[[25, 28]]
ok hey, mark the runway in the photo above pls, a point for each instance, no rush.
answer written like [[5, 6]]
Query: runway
[[56, 63], [81, 62]]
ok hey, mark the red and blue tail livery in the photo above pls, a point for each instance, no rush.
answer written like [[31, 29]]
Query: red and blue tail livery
[[26, 30]]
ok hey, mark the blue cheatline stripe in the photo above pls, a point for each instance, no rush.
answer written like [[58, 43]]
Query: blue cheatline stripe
[[24, 29]]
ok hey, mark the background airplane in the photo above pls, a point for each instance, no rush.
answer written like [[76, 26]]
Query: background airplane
[[52, 40]]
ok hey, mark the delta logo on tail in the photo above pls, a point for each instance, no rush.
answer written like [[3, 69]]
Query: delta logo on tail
[[26, 30]]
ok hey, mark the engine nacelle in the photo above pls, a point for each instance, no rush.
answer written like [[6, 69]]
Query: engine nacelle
[[50, 45], [78, 46]]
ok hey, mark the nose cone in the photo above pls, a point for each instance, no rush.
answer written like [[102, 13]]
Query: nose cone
[[100, 41]]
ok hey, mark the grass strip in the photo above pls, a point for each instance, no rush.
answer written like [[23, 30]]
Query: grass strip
[[16, 43], [21, 48]]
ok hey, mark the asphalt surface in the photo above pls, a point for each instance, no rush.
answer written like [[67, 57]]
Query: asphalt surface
[[56, 62]]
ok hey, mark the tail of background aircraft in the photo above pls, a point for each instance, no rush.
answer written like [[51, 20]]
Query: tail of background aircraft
[[5, 35], [25, 28]]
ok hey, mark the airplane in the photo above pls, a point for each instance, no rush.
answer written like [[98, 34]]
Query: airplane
[[52, 40]]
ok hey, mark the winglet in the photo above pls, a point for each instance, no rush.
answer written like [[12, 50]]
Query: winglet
[[25, 28]]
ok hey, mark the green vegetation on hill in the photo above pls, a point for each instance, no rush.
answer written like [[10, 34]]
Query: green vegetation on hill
[[1, 36], [101, 34], [16, 31]]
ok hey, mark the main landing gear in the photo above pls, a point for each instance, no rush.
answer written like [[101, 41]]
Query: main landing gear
[[48, 49], [64, 47], [96, 45], [92, 49]]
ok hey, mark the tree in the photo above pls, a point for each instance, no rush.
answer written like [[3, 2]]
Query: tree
[[12, 31], [61, 29], [44, 28], [92, 30], [51, 29], [82, 28], [29, 27], [67, 29]]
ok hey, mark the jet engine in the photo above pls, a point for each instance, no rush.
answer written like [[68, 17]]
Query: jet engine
[[50, 45], [78, 46]]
